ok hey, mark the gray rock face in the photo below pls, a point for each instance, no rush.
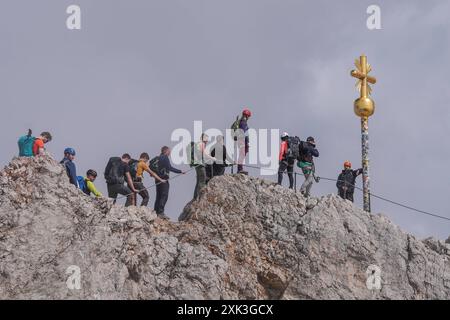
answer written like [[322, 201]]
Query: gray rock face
[[245, 238]]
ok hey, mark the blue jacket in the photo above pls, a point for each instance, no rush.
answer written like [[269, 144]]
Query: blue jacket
[[71, 171], [165, 167]]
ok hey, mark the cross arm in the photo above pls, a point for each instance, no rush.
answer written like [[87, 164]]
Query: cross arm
[[357, 74]]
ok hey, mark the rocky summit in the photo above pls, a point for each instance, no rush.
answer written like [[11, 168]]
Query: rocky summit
[[245, 238]]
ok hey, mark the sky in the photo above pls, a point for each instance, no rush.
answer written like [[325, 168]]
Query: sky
[[140, 69]]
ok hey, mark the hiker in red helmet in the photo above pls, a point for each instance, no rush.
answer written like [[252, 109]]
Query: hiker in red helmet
[[243, 140], [346, 181]]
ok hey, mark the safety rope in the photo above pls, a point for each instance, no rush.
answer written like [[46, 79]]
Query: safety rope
[[372, 194], [319, 177], [391, 201], [157, 183]]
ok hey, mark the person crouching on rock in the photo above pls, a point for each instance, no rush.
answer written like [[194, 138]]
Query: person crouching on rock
[[86, 184]]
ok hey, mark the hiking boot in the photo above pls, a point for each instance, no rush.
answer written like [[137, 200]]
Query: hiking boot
[[163, 216]]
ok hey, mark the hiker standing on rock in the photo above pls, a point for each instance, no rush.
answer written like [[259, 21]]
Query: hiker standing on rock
[[116, 171], [161, 165], [346, 181], [201, 158], [306, 162], [69, 165], [137, 169], [289, 151], [240, 131], [218, 151]]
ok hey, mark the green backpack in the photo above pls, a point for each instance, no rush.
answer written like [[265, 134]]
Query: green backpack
[[235, 127], [26, 145]]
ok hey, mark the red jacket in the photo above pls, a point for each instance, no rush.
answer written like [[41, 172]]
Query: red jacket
[[283, 150]]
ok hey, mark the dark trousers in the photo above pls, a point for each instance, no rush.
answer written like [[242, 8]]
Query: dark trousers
[[214, 170], [201, 180], [139, 185], [116, 189], [162, 194], [289, 165], [346, 194]]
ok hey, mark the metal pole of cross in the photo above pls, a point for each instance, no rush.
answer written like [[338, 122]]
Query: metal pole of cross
[[364, 107]]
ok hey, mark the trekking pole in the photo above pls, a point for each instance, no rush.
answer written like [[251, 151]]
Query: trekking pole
[[295, 181]]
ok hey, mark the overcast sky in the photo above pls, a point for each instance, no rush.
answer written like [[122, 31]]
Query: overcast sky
[[139, 69]]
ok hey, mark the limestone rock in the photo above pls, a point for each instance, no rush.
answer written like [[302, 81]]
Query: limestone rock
[[245, 238]]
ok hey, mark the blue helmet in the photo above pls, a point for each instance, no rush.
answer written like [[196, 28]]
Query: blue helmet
[[70, 151]]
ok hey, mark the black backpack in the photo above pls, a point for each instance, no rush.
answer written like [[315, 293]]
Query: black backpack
[[303, 155], [133, 164], [113, 176], [154, 165], [293, 151]]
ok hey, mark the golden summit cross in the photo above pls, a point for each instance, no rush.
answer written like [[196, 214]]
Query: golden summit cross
[[362, 74], [364, 107]]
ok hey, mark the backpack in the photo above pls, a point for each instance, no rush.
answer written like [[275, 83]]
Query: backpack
[[26, 145], [293, 151], [303, 151], [112, 176], [235, 127], [190, 149], [82, 185], [154, 166], [133, 164]]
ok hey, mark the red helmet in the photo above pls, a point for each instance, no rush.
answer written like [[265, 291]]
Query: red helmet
[[347, 164], [247, 113]]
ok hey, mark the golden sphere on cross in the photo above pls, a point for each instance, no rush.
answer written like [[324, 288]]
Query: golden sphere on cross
[[364, 107]]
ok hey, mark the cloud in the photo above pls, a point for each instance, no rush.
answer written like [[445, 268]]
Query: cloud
[[137, 71]]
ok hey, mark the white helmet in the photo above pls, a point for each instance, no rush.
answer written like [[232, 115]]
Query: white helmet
[[284, 135]]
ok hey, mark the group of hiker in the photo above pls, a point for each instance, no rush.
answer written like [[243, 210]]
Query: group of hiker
[[125, 176], [293, 149]]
